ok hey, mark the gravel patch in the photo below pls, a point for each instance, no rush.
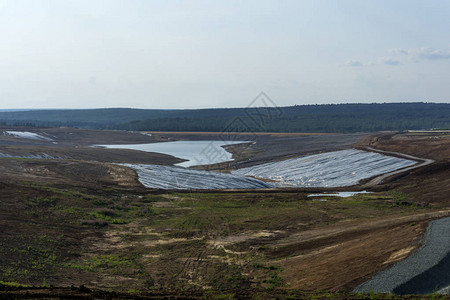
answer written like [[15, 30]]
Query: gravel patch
[[424, 272]]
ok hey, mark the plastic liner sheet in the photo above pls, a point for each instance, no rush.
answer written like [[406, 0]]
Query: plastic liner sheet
[[331, 169], [169, 177]]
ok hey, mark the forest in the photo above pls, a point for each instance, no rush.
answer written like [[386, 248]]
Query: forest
[[299, 118]]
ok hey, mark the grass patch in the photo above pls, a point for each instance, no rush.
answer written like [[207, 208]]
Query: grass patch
[[222, 214], [14, 284], [168, 238], [32, 257]]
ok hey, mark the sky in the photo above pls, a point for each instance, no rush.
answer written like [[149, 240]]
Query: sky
[[199, 54]]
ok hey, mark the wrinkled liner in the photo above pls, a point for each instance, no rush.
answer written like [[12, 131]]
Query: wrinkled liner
[[167, 177], [331, 169]]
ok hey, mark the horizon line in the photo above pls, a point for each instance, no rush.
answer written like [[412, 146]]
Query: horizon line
[[205, 108]]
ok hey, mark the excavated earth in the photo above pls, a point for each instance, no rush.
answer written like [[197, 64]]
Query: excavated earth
[[79, 220]]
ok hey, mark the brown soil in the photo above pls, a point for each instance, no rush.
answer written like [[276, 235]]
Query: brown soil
[[48, 211], [435, 147], [352, 260], [83, 292], [74, 144], [355, 253], [92, 154], [78, 137], [429, 185], [426, 185], [72, 173]]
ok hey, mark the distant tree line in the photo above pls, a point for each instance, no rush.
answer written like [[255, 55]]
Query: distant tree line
[[300, 118]]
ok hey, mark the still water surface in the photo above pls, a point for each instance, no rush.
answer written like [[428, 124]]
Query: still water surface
[[194, 152]]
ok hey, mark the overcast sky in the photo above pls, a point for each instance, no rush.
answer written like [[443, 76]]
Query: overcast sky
[[195, 54]]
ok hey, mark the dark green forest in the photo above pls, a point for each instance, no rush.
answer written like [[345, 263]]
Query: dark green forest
[[300, 118]]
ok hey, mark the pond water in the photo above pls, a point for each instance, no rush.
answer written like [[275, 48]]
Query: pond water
[[339, 194], [194, 152]]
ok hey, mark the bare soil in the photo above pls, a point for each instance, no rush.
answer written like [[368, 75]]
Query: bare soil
[[92, 154], [76, 144], [78, 137], [80, 222], [429, 184], [431, 146]]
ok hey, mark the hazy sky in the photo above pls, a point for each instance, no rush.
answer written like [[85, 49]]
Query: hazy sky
[[189, 54]]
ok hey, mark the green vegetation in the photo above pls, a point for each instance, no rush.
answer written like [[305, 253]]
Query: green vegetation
[[140, 242], [30, 257], [14, 284], [274, 280], [203, 213]]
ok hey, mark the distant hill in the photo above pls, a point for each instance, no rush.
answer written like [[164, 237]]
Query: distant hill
[[13, 110], [301, 118]]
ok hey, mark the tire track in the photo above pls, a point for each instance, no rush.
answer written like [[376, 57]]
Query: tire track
[[379, 179]]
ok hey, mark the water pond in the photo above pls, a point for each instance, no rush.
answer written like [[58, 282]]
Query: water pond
[[194, 152]]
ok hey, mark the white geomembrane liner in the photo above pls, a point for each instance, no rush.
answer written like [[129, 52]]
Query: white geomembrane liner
[[331, 169], [170, 177], [34, 156], [27, 135]]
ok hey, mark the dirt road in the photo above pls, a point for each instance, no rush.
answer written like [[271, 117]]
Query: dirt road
[[379, 179]]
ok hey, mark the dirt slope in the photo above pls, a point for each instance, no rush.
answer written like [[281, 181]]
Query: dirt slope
[[431, 146]]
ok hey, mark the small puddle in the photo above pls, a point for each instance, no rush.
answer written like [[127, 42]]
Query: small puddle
[[339, 194]]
